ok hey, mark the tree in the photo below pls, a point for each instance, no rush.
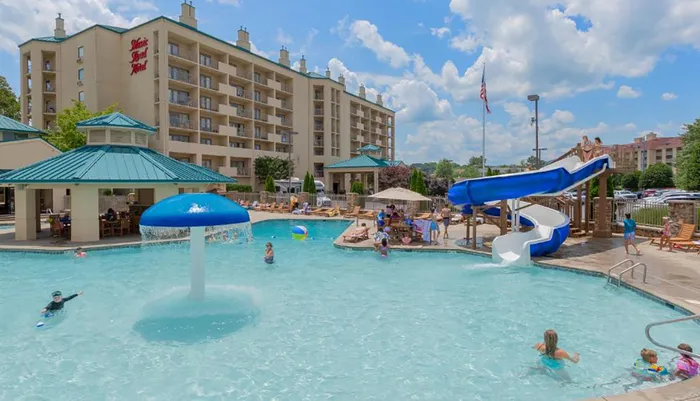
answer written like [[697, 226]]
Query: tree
[[393, 177], [437, 186], [309, 185], [631, 180], [469, 172], [657, 175], [269, 184], [274, 167], [475, 161], [420, 184], [9, 105], [427, 168], [595, 187], [688, 163], [445, 170], [489, 173], [530, 162], [66, 136], [357, 188], [413, 181]]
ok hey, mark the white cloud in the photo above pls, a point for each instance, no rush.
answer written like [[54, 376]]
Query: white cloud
[[465, 43], [669, 96], [22, 20], [369, 36], [630, 127], [627, 92], [440, 32], [283, 38], [254, 49], [229, 2]]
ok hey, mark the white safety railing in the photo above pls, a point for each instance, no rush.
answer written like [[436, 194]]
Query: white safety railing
[[647, 331]]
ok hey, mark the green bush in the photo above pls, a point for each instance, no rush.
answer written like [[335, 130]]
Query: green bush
[[238, 188], [657, 175], [309, 185], [357, 188], [630, 181], [269, 184]]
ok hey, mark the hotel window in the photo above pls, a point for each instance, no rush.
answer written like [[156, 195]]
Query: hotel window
[[183, 159], [206, 163], [205, 81], [235, 145], [257, 96], [178, 97], [239, 91], [205, 123], [81, 96], [205, 102], [205, 59], [257, 76], [81, 52], [81, 74], [174, 49], [258, 114], [205, 141], [178, 73], [258, 132]]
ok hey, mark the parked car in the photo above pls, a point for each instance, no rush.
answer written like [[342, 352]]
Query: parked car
[[624, 195], [650, 192]]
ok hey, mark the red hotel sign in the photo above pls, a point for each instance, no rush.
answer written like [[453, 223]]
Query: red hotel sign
[[139, 53]]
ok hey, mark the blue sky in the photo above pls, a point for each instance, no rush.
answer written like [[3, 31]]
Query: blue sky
[[602, 68]]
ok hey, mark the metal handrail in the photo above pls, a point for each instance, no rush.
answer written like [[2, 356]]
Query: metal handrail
[[674, 349], [631, 268], [616, 265]]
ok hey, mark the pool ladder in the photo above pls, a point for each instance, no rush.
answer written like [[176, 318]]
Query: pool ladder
[[629, 269], [674, 349]]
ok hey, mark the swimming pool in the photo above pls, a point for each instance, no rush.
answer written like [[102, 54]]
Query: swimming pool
[[323, 323]]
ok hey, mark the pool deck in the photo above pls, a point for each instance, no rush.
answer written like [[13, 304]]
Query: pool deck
[[672, 276]]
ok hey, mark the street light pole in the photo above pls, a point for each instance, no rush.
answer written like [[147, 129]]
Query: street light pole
[[536, 99]]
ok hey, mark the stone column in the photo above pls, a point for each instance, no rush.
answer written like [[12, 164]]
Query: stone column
[[602, 221], [25, 213], [85, 219], [59, 199], [164, 191], [375, 175], [681, 211]]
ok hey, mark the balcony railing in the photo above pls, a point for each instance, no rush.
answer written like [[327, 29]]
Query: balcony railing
[[318, 112], [210, 107], [243, 94], [243, 74], [183, 102], [210, 63], [242, 133], [260, 79], [209, 128], [261, 117], [318, 127], [49, 68], [242, 171], [50, 110], [183, 78], [286, 105], [318, 96], [262, 135], [286, 121], [286, 88], [209, 85], [260, 99], [184, 124], [49, 89], [182, 54], [318, 143]]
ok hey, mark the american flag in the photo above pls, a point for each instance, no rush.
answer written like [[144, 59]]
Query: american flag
[[482, 94]]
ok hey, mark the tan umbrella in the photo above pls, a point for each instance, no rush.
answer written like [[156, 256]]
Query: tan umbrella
[[400, 194]]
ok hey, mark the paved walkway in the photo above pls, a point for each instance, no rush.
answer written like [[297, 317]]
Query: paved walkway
[[673, 276]]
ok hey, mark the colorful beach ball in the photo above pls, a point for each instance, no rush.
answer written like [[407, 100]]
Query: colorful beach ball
[[299, 232]]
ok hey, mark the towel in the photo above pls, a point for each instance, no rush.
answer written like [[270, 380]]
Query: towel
[[424, 227]]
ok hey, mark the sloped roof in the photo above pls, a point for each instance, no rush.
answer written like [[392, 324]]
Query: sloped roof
[[115, 120], [369, 148], [112, 163], [9, 125], [362, 161]]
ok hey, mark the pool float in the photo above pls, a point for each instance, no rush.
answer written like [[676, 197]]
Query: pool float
[[646, 371], [299, 233], [50, 319]]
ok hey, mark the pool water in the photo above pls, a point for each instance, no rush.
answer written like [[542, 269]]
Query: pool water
[[321, 323]]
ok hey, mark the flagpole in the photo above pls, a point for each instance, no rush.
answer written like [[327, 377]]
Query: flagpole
[[483, 139], [483, 129]]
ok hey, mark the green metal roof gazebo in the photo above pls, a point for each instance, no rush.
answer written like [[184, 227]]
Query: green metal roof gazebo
[[13, 126], [115, 120]]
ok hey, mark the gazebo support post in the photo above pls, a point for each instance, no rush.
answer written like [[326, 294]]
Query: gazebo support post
[[25, 213], [84, 214], [197, 263]]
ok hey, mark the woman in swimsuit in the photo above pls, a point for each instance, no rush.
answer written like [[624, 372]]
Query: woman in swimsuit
[[269, 253], [552, 356]]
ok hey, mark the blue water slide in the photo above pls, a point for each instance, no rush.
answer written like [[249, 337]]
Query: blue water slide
[[550, 228]]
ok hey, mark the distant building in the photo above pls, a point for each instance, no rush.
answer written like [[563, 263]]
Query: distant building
[[645, 151]]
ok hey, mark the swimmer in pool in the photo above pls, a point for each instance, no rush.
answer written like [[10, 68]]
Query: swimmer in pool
[[383, 249], [58, 301], [551, 354], [79, 253], [269, 253]]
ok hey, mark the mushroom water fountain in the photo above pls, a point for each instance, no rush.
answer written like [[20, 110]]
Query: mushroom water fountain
[[203, 215]]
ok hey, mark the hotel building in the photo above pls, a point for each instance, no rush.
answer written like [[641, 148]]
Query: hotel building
[[645, 151], [214, 103]]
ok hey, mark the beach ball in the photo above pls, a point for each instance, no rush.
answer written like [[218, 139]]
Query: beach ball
[[299, 232]]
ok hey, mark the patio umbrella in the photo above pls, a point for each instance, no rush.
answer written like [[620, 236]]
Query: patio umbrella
[[400, 194]]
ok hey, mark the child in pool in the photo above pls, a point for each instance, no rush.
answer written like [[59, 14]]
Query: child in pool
[[647, 368], [384, 248], [79, 253], [686, 366], [269, 253]]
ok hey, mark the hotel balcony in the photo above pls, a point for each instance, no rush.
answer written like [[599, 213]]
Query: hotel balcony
[[259, 79], [261, 117], [234, 171], [286, 88], [211, 65], [263, 136], [286, 104], [318, 112], [182, 55], [318, 127], [355, 124], [211, 87], [318, 96], [379, 142], [318, 144], [183, 78], [189, 125], [233, 131], [286, 121], [181, 103], [274, 102], [274, 85], [274, 120], [262, 99]]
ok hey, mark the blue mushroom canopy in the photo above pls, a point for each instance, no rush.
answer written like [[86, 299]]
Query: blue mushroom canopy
[[194, 210]]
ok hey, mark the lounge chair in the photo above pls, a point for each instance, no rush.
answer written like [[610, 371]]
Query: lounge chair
[[359, 234], [355, 211], [367, 214], [322, 211], [331, 213], [686, 234], [269, 207]]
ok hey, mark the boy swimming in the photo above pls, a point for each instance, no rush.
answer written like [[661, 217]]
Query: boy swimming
[[647, 368], [58, 301], [269, 253]]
